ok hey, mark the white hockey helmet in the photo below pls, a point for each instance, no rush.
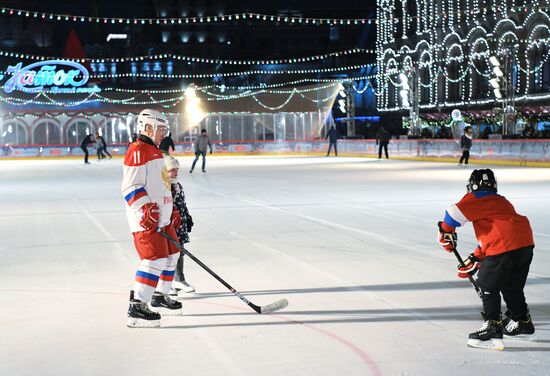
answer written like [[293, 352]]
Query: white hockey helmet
[[152, 117]]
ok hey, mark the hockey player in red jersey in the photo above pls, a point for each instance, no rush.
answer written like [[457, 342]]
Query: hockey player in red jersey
[[146, 190], [503, 257]]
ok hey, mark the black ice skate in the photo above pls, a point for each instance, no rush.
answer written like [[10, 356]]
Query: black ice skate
[[489, 336], [521, 329], [165, 305], [140, 316]]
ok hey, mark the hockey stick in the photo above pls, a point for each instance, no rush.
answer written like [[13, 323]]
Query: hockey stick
[[470, 278], [278, 305]]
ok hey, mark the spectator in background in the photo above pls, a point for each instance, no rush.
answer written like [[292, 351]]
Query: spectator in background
[[200, 149], [332, 135], [167, 143], [466, 145], [529, 131], [426, 133], [486, 132], [382, 140], [86, 141], [443, 133]]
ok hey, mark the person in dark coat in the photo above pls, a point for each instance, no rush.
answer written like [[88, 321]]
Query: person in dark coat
[[167, 143], [466, 145], [382, 140], [87, 140], [104, 146], [332, 136]]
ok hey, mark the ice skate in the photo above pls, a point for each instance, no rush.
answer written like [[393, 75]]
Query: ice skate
[[162, 303], [183, 286], [521, 329], [489, 336], [140, 316]]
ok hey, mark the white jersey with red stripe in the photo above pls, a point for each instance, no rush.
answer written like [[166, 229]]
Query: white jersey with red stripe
[[145, 180]]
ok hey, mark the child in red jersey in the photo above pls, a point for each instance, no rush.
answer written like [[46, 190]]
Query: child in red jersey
[[503, 257]]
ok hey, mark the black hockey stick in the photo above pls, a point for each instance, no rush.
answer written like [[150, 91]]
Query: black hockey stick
[[470, 278], [278, 305]]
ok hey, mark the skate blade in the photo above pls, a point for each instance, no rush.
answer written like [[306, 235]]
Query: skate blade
[[492, 344], [167, 312], [141, 323], [187, 290], [521, 337]]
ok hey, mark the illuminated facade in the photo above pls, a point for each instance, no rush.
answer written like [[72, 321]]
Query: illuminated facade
[[445, 46]]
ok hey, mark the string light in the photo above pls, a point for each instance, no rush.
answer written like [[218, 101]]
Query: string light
[[231, 74], [237, 17], [192, 59], [168, 102]]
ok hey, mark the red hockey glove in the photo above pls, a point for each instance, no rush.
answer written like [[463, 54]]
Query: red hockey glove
[[448, 240], [151, 216], [175, 218], [471, 265]]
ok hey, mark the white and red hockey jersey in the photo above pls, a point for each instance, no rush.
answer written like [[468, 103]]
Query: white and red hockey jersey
[[144, 180], [497, 225]]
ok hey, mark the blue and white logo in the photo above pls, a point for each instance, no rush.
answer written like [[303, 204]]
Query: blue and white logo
[[59, 75]]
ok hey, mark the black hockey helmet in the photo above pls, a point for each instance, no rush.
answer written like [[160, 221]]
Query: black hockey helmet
[[482, 180]]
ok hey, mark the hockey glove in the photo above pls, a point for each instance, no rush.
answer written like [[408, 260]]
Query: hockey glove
[[447, 239], [175, 218], [471, 265], [189, 223], [151, 216]]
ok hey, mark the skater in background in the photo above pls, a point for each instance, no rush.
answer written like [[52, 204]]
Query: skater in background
[[149, 210], [99, 147], [503, 257], [466, 145], [86, 141], [104, 146], [166, 144], [200, 149], [179, 283], [332, 135], [382, 139]]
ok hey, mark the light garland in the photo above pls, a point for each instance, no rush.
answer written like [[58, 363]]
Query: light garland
[[237, 17], [192, 58], [227, 74], [168, 102]]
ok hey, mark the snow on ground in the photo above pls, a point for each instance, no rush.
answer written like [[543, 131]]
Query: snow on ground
[[350, 242]]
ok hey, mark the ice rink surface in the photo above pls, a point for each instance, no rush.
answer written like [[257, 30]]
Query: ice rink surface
[[351, 243]]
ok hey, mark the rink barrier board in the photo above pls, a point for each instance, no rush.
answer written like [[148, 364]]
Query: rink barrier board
[[506, 152]]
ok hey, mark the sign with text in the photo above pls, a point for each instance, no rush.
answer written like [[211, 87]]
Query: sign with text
[[59, 76]]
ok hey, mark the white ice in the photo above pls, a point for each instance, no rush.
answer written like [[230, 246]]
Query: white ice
[[351, 243]]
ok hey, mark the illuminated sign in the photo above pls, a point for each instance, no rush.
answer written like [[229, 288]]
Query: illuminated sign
[[57, 75]]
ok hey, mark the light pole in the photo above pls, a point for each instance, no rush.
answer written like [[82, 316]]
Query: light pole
[[346, 105], [503, 87], [409, 98]]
